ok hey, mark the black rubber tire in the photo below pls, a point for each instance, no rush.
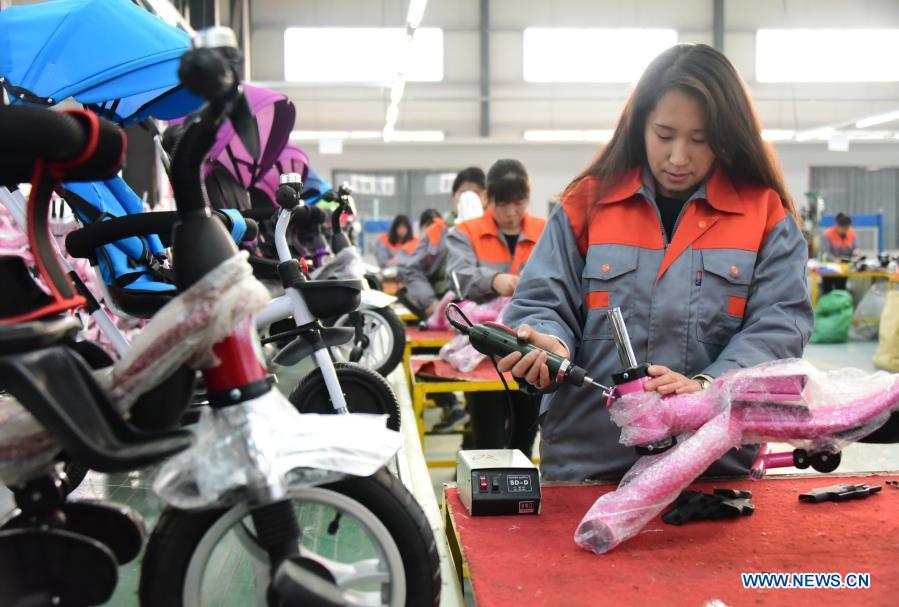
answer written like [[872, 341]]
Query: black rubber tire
[[178, 532], [364, 390], [397, 328]]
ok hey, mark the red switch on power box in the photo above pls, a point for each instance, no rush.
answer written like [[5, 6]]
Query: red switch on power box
[[482, 482]]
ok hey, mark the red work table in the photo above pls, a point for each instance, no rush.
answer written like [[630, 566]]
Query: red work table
[[533, 560]]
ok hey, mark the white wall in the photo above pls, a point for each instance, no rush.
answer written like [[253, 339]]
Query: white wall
[[552, 166]]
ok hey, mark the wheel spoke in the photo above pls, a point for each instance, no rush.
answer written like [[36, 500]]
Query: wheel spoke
[[263, 579], [248, 542]]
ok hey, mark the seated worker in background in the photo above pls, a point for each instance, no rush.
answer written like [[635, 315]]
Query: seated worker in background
[[398, 240], [837, 242], [684, 222], [423, 273], [426, 218], [486, 256]]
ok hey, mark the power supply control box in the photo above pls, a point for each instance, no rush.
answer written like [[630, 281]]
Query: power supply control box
[[497, 481]]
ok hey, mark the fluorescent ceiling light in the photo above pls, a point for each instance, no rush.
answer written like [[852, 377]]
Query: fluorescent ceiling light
[[591, 55], [868, 135], [827, 55], [415, 136], [879, 119], [777, 135], [820, 133], [331, 54], [601, 135], [402, 136]]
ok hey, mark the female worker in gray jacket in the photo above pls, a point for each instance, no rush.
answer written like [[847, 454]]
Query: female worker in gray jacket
[[683, 222]]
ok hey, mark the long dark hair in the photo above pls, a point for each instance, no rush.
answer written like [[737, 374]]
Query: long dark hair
[[733, 129], [393, 237]]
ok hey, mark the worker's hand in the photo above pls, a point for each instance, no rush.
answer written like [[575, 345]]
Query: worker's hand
[[665, 381], [505, 284], [532, 367]]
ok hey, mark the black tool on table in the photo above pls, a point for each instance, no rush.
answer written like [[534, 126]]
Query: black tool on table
[[494, 339], [838, 493], [697, 506]]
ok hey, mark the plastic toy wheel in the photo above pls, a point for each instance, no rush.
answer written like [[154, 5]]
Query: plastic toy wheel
[[383, 343], [364, 390], [393, 560], [826, 462]]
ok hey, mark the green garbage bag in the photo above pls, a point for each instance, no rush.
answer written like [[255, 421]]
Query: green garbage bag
[[833, 317]]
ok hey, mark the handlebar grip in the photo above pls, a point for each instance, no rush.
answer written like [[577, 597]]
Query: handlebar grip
[[252, 230], [84, 241], [80, 145], [206, 73]]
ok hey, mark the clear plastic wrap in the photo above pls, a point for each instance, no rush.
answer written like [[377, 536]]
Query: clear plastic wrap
[[489, 311], [783, 401], [653, 483], [460, 354], [458, 351], [257, 449], [866, 318], [25, 447], [346, 264], [186, 328], [183, 331]]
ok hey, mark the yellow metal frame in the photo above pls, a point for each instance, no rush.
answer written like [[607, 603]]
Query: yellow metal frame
[[422, 388], [419, 389], [418, 344], [815, 276]]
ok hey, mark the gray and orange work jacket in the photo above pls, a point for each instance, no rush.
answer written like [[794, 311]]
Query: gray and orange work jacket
[[423, 271], [837, 245], [478, 252], [386, 250], [728, 291]]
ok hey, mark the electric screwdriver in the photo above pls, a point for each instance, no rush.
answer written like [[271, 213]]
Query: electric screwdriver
[[494, 339]]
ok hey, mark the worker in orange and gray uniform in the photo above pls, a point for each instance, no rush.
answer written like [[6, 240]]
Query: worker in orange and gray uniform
[[486, 257], [837, 242], [683, 221], [423, 272], [398, 240]]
